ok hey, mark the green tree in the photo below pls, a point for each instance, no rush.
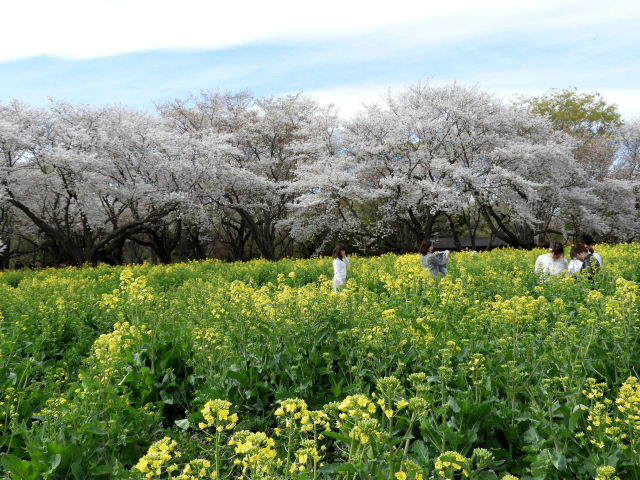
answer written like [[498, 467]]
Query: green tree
[[587, 117], [584, 115]]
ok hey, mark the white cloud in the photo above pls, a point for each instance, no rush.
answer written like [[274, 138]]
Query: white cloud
[[85, 29], [349, 100], [628, 101]]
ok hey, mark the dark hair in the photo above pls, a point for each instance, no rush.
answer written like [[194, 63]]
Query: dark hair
[[426, 245], [588, 241], [337, 252], [579, 248], [557, 249]]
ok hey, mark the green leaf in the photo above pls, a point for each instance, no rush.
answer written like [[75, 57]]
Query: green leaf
[[559, 460], [54, 462], [20, 469], [166, 397], [101, 470], [531, 436], [183, 424], [337, 436], [487, 475], [15, 465], [77, 471]]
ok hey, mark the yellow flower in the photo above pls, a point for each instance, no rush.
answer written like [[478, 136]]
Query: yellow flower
[[216, 414]]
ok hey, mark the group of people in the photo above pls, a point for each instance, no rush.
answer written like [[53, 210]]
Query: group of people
[[584, 260], [436, 262]]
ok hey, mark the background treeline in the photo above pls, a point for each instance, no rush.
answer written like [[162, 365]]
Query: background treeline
[[235, 177]]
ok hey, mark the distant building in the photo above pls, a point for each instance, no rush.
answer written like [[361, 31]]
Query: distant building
[[481, 243]]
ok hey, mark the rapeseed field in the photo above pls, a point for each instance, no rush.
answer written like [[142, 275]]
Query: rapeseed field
[[258, 370]]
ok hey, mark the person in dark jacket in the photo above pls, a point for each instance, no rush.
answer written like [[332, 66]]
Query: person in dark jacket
[[436, 262], [590, 264]]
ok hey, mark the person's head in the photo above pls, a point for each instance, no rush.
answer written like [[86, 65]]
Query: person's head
[[588, 241], [579, 251], [556, 249], [340, 251], [427, 246]]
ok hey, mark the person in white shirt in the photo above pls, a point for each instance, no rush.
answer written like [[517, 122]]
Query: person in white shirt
[[340, 264], [552, 263], [578, 253], [588, 241]]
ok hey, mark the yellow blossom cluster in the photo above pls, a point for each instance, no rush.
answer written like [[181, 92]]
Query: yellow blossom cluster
[[157, 458], [613, 422], [134, 292], [109, 349], [521, 310], [356, 406], [628, 404], [606, 473], [450, 463], [594, 390], [410, 470], [293, 413], [255, 452], [307, 457], [216, 414]]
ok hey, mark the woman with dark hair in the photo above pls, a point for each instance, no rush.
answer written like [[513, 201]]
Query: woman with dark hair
[[340, 264], [552, 263], [578, 253], [584, 261], [436, 262]]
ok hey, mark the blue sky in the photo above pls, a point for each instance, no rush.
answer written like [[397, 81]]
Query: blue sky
[[347, 56]]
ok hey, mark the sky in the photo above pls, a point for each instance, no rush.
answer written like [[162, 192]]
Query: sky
[[141, 53]]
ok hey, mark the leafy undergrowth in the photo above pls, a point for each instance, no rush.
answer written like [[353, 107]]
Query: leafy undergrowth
[[259, 370]]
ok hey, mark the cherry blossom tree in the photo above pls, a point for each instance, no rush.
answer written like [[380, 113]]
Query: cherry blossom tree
[[269, 139], [230, 173], [621, 196], [429, 152], [628, 141], [91, 178]]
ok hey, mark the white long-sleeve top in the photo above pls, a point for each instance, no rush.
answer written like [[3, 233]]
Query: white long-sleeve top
[[575, 266], [340, 269], [548, 265], [598, 257]]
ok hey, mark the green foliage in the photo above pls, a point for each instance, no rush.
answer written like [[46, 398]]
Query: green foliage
[[485, 373], [582, 114]]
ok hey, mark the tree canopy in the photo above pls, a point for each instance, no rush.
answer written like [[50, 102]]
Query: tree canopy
[[236, 176]]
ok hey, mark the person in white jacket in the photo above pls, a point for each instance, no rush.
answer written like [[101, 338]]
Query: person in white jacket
[[552, 263], [340, 267]]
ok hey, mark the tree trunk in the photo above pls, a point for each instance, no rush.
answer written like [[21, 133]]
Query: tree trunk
[[162, 241], [454, 233], [5, 256], [500, 229], [195, 244], [263, 235]]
